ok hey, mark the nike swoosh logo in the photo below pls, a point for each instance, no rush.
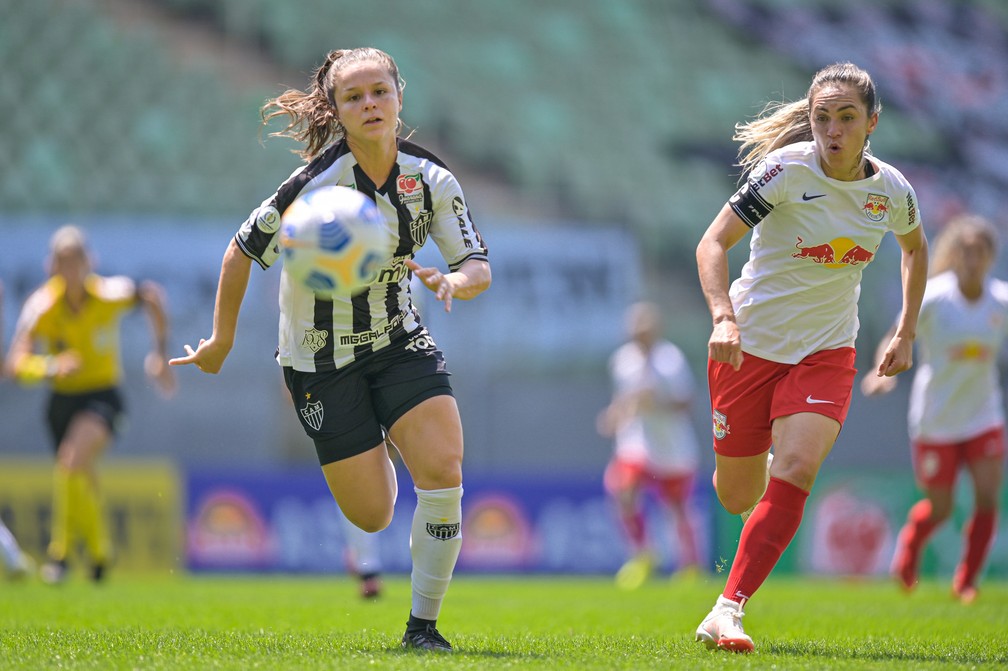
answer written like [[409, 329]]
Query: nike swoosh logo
[[812, 401], [806, 197]]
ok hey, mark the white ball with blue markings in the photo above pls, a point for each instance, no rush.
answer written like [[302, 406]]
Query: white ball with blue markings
[[334, 241]]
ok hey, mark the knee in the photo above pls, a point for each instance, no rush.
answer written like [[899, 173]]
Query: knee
[[371, 521], [940, 510], [444, 474], [987, 502], [799, 473], [736, 502]]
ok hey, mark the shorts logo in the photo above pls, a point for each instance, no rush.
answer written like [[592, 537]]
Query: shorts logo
[[443, 532], [267, 219], [930, 464], [314, 339], [312, 414], [721, 428]]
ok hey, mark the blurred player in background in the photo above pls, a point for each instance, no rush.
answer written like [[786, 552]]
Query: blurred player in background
[[73, 320], [378, 369], [654, 446], [956, 416], [17, 563], [781, 354]]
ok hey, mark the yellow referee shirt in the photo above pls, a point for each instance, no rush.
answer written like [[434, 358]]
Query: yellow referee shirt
[[92, 332]]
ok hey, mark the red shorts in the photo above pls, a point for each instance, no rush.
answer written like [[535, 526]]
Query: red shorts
[[621, 475], [936, 464], [744, 403]]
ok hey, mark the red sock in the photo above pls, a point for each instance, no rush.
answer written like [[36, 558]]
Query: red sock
[[979, 533], [911, 541], [918, 528], [764, 538]]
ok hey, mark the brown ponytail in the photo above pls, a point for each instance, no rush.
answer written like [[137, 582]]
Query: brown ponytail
[[312, 115]]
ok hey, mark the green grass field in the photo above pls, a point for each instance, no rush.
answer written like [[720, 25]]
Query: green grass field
[[494, 623]]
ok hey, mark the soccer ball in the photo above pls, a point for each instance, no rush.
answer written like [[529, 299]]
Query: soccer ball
[[334, 241]]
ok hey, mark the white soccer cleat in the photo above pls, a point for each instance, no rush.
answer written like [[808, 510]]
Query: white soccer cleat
[[745, 515], [722, 628]]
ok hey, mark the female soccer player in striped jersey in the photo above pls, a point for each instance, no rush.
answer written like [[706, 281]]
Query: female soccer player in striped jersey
[[361, 366], [781, 353], [956, 417]]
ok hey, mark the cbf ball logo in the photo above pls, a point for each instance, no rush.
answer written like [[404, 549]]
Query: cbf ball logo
[[876, 206]]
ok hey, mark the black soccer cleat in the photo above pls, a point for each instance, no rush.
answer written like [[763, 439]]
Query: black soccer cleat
[[427, 638]]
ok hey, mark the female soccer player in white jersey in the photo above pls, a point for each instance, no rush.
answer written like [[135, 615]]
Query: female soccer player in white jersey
[[654, 444], [781, 354], [358, 366], [956, 417]]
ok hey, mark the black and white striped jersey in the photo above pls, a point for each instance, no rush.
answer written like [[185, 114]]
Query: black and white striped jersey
[[421, 198]]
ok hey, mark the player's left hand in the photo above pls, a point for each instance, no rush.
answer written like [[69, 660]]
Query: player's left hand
[[156, 367], [438, 282], [898, 357]]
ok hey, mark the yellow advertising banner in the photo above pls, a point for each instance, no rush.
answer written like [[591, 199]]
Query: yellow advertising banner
[[142, 502]]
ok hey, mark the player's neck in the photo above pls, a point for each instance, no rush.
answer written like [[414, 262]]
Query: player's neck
[[971, 290], [374, 158]]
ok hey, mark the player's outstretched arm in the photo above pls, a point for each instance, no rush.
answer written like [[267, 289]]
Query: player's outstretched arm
[[209, 355], [152, 298]]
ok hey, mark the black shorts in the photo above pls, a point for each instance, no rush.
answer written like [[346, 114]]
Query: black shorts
[[346, 411], [106, 403]]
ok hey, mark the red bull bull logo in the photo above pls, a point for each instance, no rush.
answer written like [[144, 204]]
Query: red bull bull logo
[[876, 206], [837, 253]]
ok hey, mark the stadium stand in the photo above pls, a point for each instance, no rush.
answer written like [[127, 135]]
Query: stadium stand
[[614, 111]]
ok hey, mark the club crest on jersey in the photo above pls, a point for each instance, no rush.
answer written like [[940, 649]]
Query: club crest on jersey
[[876, 206], [443, 532], [721, 428], [314, 339], [312, 413], [420, 226], [409, 188]]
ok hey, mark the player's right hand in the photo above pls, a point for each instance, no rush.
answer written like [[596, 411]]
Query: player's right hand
[[65, 363], [725, 344], [208, 356]]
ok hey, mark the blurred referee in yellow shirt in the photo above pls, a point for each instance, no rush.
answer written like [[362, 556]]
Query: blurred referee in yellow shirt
[[68, 334]]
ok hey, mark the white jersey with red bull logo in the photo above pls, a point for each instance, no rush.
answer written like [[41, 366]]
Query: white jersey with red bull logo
[[658, 436], [812, 237], [420, 200], [956, 393]]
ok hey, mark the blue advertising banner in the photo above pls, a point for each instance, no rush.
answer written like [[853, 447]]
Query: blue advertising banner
[[287, 521]]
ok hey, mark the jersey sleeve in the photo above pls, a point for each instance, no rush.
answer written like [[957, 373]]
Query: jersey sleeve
[[761, 192], [259, 235], [907, 212], [452, 228]]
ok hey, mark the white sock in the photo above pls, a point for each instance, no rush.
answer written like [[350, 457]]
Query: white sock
[[363, 549], [9, 548], [435, 542]]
